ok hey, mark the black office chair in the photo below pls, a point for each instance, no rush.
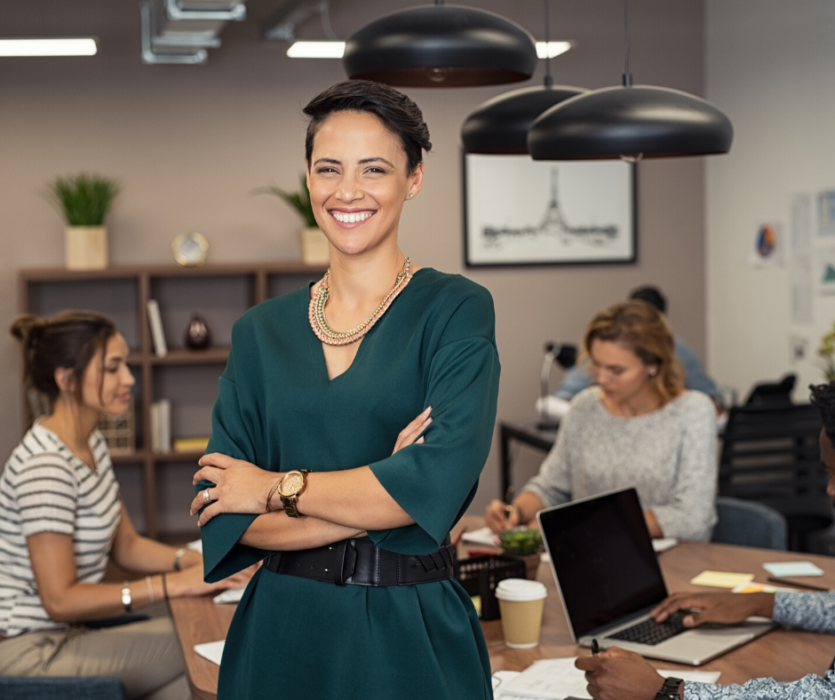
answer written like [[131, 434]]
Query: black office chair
[[771, 454], [749, 524], [773, 393]]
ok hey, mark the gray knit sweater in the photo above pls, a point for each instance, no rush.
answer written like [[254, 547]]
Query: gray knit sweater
[[669, 456]]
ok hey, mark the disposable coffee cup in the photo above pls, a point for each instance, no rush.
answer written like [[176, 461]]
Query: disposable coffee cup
[[521, 603]]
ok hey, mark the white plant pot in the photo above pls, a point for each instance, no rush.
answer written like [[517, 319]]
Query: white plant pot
[[85, 247], [314, 246]]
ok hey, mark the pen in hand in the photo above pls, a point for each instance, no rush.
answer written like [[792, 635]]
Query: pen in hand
[[796, 584], [595, 647]]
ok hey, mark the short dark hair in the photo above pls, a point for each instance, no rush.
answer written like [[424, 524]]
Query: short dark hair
[[651, 295], [68, 340], [823, 398], [399, 114]]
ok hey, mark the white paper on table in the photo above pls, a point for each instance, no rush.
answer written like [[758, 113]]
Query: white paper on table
[[662, 544], [555, 679], [213, 651], [230, 595], [500, 678], [195, 546], [483, 536]]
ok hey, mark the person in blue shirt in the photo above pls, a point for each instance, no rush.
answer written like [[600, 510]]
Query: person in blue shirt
[[616, 674], [580, 377]]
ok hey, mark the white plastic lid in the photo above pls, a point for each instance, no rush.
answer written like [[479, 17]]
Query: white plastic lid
[[520, 589]]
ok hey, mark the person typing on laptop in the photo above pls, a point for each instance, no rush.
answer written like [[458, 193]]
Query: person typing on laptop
[[637, 427], [616, 674]]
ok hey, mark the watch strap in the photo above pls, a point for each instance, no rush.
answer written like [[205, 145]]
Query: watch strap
[[178, 559], [669, 691]]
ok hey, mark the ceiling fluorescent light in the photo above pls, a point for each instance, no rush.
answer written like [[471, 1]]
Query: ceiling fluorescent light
[[48, 47], [316, 49], [552, 49], [335, 49]]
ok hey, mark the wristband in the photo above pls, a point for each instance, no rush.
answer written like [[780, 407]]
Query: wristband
[[126, 599], [151, 597], [270, 494]]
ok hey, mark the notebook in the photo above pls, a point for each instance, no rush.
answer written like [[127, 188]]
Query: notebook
[[609, 580]]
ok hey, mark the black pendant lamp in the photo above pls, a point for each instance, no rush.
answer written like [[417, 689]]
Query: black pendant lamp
[[630, 122], [501, 125], [441, 46]]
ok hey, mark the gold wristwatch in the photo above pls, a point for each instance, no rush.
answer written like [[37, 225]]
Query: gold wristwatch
[[290, 489]]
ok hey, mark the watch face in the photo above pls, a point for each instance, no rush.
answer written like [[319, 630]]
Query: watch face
[[291, 484]]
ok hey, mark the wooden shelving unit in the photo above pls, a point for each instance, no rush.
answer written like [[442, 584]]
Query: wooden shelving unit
[[219, 293]]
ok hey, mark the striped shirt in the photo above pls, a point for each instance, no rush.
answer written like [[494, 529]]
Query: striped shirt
[[46, 488]]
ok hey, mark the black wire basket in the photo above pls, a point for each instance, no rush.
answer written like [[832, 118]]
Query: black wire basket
[[480, 575]]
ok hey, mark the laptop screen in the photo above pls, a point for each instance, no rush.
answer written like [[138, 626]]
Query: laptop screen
[[603, 558]]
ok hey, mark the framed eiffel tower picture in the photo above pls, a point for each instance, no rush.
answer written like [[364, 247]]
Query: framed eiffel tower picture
[[518, 211]]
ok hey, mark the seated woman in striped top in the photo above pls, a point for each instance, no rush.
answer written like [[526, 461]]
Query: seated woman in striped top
[[61, 520]]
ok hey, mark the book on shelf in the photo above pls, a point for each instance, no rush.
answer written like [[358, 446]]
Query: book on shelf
[[161, 426], [192, 444], [157, 334]]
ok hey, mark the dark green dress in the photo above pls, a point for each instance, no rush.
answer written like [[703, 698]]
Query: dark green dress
[[299, 638]]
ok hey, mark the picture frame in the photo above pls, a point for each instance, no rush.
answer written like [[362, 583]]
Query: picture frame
[[518, 211]]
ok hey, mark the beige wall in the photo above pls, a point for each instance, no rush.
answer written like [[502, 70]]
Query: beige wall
[[782, 113], [190, 143]]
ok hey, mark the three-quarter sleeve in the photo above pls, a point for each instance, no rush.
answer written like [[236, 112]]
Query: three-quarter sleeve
[[690, 511], [434, 482], [232, 435], [552, 485]]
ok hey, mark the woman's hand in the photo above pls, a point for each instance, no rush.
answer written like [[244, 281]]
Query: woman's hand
[[411, 434], [239, 487], [189, 582], [500, 517], [722, 608]]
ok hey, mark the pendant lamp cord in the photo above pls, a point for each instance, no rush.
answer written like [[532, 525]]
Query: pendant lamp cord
[[549, 80], [627, 75]]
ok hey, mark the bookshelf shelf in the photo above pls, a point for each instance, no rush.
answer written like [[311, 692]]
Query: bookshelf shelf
[[219, 293], [192, 357]]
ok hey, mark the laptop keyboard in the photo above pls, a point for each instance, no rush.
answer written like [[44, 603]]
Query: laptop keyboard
[[651, 632]]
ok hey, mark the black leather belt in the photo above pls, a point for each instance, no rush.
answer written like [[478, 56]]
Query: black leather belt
[[362, 563]]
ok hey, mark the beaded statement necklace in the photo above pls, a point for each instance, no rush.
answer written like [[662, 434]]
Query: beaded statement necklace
[[316, 310]]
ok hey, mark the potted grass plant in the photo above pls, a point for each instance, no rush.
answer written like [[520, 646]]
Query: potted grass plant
[[84, 201], [314, 244]]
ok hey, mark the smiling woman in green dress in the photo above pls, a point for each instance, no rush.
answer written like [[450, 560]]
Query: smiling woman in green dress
[[310, 464]]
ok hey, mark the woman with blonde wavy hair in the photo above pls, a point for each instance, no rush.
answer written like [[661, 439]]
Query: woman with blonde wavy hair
[[637, 426]]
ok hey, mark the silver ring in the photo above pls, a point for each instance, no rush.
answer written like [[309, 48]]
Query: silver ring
[[206, 495]]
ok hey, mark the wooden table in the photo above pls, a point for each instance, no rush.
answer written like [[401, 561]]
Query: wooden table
[[785, 655]]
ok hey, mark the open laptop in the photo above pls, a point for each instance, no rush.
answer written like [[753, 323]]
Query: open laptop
[[609, 580]]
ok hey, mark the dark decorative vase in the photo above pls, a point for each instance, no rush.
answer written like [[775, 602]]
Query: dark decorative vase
[[198, 336]]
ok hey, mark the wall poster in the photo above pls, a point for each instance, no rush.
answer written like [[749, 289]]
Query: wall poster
[[518, 211]]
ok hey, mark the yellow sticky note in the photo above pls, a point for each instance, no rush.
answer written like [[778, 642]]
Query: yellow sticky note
[[721, 579]]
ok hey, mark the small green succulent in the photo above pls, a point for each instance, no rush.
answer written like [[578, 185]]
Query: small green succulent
[[521, 542]]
